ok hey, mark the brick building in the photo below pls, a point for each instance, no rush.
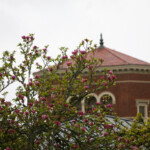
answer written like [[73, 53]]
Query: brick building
[[132, 91]]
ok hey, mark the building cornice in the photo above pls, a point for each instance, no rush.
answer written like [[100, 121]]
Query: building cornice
[[120, 69]]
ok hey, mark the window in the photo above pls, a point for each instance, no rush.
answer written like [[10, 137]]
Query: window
[[90, 103], [142, 107], [107, 97], [142, 110], [74, 101]]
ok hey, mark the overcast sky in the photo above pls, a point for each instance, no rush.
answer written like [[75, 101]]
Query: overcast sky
[[125, 24]]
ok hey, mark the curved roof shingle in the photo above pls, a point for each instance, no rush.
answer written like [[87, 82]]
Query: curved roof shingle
[[112, 58]]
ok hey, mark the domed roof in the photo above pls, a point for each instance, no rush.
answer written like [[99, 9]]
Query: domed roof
[[111, 57], [115, 58]]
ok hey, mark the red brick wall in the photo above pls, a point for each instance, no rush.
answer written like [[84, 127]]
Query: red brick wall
[[127, 93]]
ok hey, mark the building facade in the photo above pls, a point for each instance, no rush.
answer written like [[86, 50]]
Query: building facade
[[131, 95]]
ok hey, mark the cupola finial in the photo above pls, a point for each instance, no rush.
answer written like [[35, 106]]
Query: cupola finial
[[101, 40]]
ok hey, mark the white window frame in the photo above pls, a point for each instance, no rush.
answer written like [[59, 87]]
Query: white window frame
[[144, 103], [108, 93]]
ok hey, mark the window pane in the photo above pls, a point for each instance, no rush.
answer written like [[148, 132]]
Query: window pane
[[90, 103], [142, 110], [106, 99], [75, 102]]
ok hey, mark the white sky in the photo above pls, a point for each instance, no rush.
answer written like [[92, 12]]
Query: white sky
[[125, 24]]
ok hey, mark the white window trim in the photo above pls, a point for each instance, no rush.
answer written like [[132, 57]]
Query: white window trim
[[107, 93], [83, 101], [144, 103]]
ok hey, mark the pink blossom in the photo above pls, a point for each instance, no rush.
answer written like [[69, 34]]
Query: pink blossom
[[113, 77], [98, 103], [69, 63], [11, 131], [48, 57], [90, 67], [30, 83], [93, 108], [7, 148], [34, 47], [110, 72], [50, 69], [57, 145], [105, 133], [30, 104], [43, 99], [26, 113], [33, 111], [83, 129], [82, 52], [64, 57], [44, 49], [37, 83], [17, 111], [91, 123], [51, 105], [57, 123], [75, 146], [20, 96], [101, 60], [13, 77], [135, 148], [38, 141], [76, 125], [66, 105], [44, 116], [23, 37], [86, 87], [102, 77], [36, 77], [105, 84], [109, 106], [84, 80], [27, 37], [81, 113], [12, 121], [7, 103], [110, 125], [86, 120], [122, 146], [75, 52], [120, 138], [2, 100], [126, 141], [73, 121]]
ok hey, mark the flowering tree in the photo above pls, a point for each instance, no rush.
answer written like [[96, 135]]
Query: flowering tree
[[42, 116]]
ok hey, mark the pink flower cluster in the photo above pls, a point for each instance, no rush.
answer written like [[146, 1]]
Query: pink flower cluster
[[75, 52], [28, 38], [57, 123]]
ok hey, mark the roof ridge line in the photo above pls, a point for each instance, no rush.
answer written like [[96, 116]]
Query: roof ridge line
[[115, 55]]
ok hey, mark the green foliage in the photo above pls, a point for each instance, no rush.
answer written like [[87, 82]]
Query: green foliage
[[43, 118]]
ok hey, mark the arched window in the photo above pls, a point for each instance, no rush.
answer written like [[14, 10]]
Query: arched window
[[107, 97], [90, 103], [74, 101]]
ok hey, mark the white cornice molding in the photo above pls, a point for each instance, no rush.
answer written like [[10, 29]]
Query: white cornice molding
[[133, 81], [122, 69]]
